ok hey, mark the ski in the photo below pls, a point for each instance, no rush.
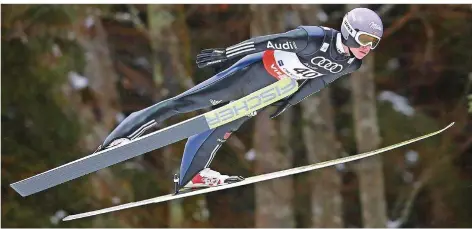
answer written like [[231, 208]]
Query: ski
[[253, 179], [209, 120]]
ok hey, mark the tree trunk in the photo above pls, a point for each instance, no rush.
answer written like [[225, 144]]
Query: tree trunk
[[320, 141], [370, 170], [102, 80], [170, 77], [273, 198], [319, 138], [99, 113]]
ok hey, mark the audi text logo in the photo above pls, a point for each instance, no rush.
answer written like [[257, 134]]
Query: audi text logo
[[327, 64]]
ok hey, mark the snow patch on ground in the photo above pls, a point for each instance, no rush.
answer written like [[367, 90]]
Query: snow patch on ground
[[123, 16], [77, 81], [322, 16], [408, 177], [116, 200], [411, 157], [340, 167], [120, 117], [393, 64], [142, 61], [56, 50], [398, 102], [58, 216], [393, 224], [250, 155], [89, 22]]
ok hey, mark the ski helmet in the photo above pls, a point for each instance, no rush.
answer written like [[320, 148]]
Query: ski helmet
[[361, 26]]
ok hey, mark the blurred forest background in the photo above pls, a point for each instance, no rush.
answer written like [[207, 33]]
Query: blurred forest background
[[70, 73]]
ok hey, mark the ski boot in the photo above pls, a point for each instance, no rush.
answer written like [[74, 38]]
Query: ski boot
[[205, 179]]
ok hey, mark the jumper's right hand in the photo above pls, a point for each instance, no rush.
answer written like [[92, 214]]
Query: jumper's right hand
[[130, 128], [107, 145], [210, 57]]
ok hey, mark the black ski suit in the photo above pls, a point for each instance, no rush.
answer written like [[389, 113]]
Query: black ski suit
[[313, 55]]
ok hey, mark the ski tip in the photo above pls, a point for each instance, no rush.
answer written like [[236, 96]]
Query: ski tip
[[67, 218], [451, 124]]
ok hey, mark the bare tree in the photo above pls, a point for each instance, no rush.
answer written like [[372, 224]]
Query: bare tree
[[320, 141], [170, 77], [319, 138], [273, 198], [98, 114], [370, 170]]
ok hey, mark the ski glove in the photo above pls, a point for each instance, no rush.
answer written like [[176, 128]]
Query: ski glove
[[210, 57]]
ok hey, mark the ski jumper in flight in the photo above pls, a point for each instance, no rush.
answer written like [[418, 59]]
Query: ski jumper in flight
[[313, 55]]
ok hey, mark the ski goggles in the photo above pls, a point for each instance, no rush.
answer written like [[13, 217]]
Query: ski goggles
[[365, 39], [360, 37]]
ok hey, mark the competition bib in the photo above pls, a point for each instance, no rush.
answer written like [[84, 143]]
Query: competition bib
[[282, 64]]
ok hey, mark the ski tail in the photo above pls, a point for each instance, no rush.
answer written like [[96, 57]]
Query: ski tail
[[255, 179]]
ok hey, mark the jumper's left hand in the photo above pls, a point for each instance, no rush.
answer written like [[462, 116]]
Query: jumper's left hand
[[280, 109], [210, 57]]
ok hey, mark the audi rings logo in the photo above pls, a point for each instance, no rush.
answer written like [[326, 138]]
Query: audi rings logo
[[327, 64]]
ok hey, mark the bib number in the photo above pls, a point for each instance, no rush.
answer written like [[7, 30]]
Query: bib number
[[306, 73]]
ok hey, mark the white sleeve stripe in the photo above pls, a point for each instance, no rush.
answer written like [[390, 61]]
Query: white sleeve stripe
[[238, 45], [236, 53], [141, 132], [145, 126], [240, 48]]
